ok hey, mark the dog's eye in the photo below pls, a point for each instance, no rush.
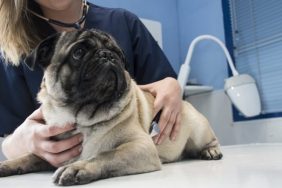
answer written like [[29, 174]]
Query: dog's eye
[[78, 53]]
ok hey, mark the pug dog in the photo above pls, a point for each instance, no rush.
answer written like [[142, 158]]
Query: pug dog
[[85, 83]]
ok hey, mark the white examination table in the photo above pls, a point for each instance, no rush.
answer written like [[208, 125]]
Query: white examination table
[[242, 166]]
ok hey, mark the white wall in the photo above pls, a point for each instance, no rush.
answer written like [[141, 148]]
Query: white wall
[[217, 108], [155, 29]]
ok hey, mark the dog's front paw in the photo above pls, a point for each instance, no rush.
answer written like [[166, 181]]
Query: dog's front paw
[[4, 170], [74, 174], [211, 153], [7, 170]]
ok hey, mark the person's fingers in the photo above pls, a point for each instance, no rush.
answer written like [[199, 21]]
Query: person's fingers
[[53, 130], [58, 159], [156, 138], [36, 115], [164, 119], [168, 127], [146, 87], [158, 105], [176, 128], [62, 145], [149, 88]]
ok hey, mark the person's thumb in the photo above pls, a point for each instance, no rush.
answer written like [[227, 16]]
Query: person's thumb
[[37, 115], [146, 87]]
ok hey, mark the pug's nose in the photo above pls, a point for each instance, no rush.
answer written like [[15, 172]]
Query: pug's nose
[[106, 56]]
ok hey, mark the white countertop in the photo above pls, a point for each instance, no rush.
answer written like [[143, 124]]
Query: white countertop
[[196, 89], [243, 166]]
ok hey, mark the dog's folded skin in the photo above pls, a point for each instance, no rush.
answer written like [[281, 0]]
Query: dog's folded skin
[[109, 109]]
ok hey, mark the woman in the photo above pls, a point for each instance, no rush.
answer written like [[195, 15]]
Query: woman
[[24, 23]]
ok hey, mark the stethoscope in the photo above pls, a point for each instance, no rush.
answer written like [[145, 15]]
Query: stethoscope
[[76, 25]]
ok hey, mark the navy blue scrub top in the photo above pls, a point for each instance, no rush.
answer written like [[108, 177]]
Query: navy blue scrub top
[[146, 63]]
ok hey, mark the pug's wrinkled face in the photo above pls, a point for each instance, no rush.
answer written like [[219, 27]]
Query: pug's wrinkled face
[[81, 68]]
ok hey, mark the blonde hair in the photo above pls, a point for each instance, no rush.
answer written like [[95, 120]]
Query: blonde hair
[[16, 35]]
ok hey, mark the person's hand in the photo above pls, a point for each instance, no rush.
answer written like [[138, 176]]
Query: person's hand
[[33, 136], [167, 94]]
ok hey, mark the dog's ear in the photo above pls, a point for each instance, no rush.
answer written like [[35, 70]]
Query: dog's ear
[[42, 54]]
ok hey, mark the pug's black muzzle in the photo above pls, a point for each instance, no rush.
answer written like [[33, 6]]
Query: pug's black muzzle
[[104, 74]]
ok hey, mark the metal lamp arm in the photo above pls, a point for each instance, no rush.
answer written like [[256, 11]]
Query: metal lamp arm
[[185, 68]]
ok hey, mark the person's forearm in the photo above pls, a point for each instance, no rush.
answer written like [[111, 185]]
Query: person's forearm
[[13, 146]]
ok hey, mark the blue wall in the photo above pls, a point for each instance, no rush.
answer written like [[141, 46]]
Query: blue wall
[[182, 21], [164, 11], [196, 18]]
